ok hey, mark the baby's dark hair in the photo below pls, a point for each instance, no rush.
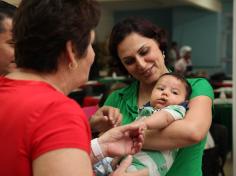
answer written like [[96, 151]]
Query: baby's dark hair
[[183, 80]]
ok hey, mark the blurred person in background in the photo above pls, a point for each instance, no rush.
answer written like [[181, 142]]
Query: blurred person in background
[[184, 64], [6, 45], [173, 54]]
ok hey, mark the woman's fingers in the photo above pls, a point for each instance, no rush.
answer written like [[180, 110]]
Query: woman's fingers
[[114, 116], [121, 170], [124, 164]]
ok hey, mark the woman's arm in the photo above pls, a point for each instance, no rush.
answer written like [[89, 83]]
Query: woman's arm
[[118, 141], [192, 129], [63, 162]]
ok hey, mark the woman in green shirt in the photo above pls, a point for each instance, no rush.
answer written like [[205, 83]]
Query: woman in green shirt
[[136, 44]]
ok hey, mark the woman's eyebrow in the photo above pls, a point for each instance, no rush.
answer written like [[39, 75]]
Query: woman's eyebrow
[[141, 48]]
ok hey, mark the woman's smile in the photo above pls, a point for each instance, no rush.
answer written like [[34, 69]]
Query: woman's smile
[[147, 73]]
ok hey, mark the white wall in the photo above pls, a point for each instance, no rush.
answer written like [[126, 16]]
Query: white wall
[[234, 88], [104, 27]]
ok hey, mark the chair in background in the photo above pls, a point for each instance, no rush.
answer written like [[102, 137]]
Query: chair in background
[[78, 96], [214, 158], [90, 110]]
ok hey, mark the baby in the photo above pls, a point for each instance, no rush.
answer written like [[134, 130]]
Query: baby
[[168, 103]]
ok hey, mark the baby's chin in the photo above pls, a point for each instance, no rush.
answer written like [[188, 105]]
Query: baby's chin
[[158, 106]]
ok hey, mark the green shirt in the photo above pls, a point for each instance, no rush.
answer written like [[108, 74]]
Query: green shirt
[[188, 161]]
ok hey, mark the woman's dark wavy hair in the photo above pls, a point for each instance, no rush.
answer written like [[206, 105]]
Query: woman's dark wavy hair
[[41, 29], [130, 25]]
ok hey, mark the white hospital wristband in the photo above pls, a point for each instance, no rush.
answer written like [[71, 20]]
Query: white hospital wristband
[[96, 149]]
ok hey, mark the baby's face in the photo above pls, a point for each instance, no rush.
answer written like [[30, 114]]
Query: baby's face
[[168, 91]]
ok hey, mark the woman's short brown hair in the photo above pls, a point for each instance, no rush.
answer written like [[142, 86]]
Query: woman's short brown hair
[[42, 28]]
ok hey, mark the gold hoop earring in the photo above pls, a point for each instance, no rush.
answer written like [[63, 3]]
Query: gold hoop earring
[[72, 66]]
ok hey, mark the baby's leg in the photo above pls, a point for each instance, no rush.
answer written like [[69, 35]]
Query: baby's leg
[[142, 161], [132, 168]]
